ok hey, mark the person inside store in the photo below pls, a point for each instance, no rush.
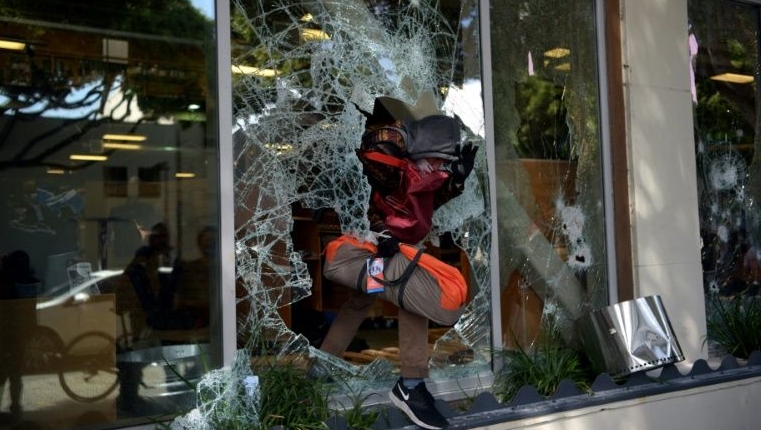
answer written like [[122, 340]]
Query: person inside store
[[144, 305], [413, 166], [18, 287], [191, 278]]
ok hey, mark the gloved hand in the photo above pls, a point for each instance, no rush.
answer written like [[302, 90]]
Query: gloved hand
[[463, 165], [387, 247]]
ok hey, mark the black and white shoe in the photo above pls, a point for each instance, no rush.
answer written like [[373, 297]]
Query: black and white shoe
[[418, 404]]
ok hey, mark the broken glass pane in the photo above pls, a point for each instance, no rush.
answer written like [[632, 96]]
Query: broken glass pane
[[724, 48], [548, 165], [304, 73]]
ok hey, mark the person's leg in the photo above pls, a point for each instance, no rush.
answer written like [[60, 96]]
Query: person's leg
[[15, 386], [15, 371], [346, 324], [130, 376], [413, 345], [410, 394]]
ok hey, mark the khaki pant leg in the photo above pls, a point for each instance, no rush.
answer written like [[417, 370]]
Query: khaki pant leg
[[346, 324], [413, 345]]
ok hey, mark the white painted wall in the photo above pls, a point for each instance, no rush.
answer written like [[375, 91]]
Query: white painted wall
[[663, 181], [730, 406]]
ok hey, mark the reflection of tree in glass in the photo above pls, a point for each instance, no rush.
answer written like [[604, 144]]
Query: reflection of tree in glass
[[65, 72], [543, 132]]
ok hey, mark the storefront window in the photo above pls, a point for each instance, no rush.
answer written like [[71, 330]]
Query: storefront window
[[723, 44], [305, 76], [108, 227], [552, 253]]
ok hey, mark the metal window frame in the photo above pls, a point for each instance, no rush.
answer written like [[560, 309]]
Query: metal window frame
[[224, 322]]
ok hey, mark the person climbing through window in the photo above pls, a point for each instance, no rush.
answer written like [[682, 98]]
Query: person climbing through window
[[413, 165]]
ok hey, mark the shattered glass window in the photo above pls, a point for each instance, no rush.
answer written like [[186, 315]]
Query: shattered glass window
[[548, 165], [303, 73], [723, 46]]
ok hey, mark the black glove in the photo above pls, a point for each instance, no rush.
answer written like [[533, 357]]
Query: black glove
[[387, 247], [463, 165]]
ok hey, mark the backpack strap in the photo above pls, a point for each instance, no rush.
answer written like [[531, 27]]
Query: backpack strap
[[384, 158]]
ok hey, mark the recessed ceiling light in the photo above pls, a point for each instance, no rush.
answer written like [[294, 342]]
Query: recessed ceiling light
[[557, 53]]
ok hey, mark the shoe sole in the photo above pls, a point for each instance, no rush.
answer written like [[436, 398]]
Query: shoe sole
[[407, 411]]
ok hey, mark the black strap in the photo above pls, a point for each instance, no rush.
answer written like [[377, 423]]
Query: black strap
[[401, 281], [360, 284]]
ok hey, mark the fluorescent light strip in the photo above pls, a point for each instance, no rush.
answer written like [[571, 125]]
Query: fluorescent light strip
[[115, 145], [12, 45], [250, 70], [88, 157], [184, 175], [125, 137], [53, 171], [734, 78]]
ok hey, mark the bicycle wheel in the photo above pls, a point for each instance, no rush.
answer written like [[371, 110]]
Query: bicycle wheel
[[89, 371], [43, 350]]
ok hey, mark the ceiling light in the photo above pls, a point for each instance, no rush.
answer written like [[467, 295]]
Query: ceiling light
[[13, 45], [313, 34], [117, 145], [125, 137], [250, 70], [54, 171], [184, 175], [557, 53], [734, 78], [88, 157], [194, 106]]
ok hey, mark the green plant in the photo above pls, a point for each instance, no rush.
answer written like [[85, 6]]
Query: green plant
[[290, 399], [359, 416], [735, 324], [543, 366]]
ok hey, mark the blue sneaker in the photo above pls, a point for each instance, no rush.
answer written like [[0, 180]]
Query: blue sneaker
[[418, 404]]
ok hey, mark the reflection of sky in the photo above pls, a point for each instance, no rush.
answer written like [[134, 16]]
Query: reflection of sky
[[85, 101], [86, 104], [467, 103], [205, 6]]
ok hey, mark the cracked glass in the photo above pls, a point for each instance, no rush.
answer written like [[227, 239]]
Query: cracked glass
[[723, 47], [303, 74], [548, 166]]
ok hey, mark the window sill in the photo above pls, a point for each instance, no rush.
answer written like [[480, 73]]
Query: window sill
[[528, 403]]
